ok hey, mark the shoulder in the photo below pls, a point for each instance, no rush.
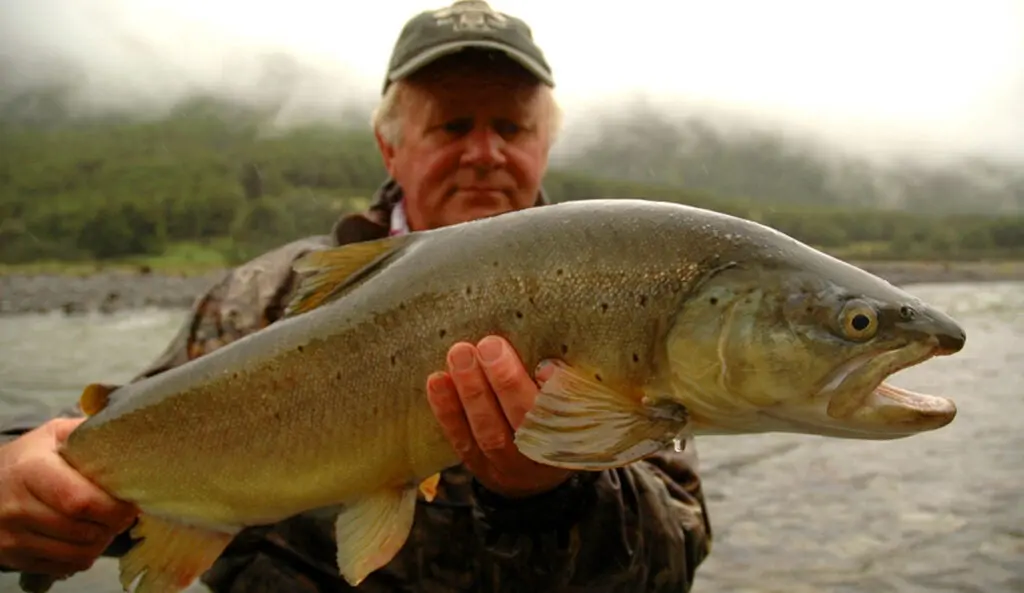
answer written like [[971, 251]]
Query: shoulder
[[245, 299], [254, 290]]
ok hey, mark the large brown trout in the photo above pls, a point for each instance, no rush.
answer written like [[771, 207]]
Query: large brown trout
[[667, 321]]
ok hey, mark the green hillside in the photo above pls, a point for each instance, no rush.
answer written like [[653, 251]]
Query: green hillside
[[212, 184]]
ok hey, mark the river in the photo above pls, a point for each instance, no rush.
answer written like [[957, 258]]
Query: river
[[942, 511]]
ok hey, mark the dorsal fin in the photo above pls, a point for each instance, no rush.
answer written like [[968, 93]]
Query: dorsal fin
[[95, 397], [327, 273]]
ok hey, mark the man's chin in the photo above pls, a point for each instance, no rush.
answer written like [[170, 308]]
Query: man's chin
[[479, 206]]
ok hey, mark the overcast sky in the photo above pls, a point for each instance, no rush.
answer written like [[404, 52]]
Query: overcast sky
[[906, 75]]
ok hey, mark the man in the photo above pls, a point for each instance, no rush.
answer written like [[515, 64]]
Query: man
[[464, 127]]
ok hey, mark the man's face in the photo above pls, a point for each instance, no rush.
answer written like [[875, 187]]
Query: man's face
[[474, 143]]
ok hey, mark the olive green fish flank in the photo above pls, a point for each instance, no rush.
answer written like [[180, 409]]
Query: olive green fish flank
[[667, 322]]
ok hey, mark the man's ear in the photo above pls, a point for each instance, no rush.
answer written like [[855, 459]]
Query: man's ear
[[387, 152]]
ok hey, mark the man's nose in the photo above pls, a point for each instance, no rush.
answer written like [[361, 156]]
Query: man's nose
[[484, 148]]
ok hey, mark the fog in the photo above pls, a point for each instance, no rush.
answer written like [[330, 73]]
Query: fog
[[910, 79]]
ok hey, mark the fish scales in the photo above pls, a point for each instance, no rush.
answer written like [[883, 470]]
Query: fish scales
[[350, 381]]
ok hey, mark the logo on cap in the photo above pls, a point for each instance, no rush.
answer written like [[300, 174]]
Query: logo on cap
[[470, 15]]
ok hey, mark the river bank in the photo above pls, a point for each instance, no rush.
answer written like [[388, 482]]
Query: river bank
[[117, 290]]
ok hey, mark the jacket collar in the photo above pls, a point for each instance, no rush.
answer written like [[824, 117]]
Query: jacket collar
[[375, 222]]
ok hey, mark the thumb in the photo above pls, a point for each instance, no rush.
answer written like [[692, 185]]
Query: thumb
[[61, 428]]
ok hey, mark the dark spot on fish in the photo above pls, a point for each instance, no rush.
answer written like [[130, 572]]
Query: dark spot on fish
[[714, 301], [495, 264], [565, 349], [234, 376], [338, 375], [300, 349], [598, 377], [604, 307], [393, 360], [277, 416], [643, 300], [559, 272], [401, 306], [636, 357], [469, 290], [442, 333], [519, 314]]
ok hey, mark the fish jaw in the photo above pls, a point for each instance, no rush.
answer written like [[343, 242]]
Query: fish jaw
[[859, 403]]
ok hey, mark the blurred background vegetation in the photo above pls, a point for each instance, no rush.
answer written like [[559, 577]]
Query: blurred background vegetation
[[211, 184]]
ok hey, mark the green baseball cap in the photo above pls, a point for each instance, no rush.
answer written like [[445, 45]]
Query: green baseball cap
[[466, 24]]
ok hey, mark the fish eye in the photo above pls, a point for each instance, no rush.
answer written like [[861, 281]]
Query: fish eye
[[858, 321]]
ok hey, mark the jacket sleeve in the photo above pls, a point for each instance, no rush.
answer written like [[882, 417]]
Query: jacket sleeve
[[644, 527]]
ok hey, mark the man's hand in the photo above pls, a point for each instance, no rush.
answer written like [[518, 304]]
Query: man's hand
[[480, 402], [52, 519]]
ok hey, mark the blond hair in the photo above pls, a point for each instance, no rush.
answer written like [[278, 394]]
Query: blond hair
[[386, 118]]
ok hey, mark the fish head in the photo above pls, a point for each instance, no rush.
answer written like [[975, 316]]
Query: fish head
[[807, 350]]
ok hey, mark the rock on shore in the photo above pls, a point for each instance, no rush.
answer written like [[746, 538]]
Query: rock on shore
[[122, 290], [105, 292]]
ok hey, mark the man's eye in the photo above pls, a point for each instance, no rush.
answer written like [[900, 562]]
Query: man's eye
[[459, 126], [507, 128]]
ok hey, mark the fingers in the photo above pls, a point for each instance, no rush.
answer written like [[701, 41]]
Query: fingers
[[61, 488], [61, 428], [29, 552], [545, 370], [504, 372], [485, 415], [445, 402], [42, 520], [34, 536], [485, 393]]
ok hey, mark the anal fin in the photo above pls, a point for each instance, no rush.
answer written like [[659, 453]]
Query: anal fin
[[170, 556], [428, 487], [370, 532], [580, 423]]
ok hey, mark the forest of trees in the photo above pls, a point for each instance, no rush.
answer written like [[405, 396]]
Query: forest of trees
[[216, 176]]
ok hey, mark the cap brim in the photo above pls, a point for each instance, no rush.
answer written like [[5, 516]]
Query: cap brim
[[439, 51]]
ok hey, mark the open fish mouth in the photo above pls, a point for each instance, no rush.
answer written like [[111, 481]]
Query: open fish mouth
[[858, 402], [862, 400]]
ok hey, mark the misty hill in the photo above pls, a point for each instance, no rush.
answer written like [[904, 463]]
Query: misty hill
[[226, 178], [765, 165]]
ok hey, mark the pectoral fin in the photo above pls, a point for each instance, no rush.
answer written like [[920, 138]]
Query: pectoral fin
[[370, 532], [580, 423], [170, 555]]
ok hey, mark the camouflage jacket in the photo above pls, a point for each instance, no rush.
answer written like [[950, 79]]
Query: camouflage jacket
[[640, 528]]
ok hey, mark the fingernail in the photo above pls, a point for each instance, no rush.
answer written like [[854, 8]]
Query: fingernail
[[490, 349], [462, 358], [544, 370], [435, 383]]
